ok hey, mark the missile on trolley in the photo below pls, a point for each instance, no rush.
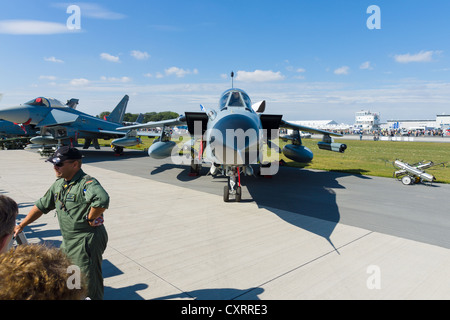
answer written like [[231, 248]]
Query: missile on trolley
[[413, 173]]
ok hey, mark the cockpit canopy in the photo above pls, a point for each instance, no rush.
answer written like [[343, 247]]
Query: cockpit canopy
[[46, 102], [235, 98]]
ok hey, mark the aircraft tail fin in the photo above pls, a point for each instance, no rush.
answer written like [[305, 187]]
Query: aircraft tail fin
[[119, 111], [140, 118]]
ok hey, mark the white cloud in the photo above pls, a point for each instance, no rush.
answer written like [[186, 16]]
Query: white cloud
[[96, 11], [53, 59], [300, 71], [139, 55], [32, 27], [79, 82], [114, 79], [110, 58], [258, 76], [366, 66], [422, 56], [342, 70], [180, 73], [51, 78]]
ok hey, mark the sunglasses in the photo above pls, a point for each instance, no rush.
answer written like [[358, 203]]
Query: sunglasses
[[61, 164]]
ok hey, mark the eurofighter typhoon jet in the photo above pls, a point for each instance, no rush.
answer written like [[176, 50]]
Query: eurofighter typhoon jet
[[232, 139], [64, 125]]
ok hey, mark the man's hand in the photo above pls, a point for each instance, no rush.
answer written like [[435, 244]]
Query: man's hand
[[32, 216], [17, 229], [95, 218]]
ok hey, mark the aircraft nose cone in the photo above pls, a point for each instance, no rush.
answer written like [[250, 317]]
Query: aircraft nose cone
[[15, 114], [236, 140]]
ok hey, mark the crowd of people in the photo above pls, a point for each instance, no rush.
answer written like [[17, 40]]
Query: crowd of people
[[399, 132], [413, 133]]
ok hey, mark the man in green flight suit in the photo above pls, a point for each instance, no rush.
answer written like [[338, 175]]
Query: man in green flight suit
[[79, 201]]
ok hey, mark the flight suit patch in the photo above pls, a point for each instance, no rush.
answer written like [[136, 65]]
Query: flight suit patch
[[71, 197]]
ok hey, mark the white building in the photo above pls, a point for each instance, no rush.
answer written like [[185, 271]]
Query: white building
[[367, 121], [443, 121], [412, 124]]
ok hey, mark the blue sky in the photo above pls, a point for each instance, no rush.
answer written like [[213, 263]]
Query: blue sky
[[310, 60]]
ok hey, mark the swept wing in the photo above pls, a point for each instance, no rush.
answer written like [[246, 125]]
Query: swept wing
[[287, 125], [156, 124]]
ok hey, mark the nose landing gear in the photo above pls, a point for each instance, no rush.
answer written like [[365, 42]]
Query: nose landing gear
[[233, 186]]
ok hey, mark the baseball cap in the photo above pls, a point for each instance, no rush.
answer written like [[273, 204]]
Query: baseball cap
[[65, 153]]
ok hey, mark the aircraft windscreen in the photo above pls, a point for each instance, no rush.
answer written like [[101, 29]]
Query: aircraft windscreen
[[235, 99], [55, 103], [38, 102], [247, 101], [45, 102], [223, 101]]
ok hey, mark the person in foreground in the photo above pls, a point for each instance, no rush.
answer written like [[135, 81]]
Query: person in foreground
[[80, 202]]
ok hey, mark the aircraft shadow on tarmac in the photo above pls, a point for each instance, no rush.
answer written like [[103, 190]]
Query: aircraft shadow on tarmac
[[294, 194], [106, 154]]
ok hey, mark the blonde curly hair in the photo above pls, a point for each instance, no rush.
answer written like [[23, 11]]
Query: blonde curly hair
[[37, 272]]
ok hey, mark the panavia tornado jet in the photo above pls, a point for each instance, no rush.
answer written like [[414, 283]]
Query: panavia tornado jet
[[232, 138], [64, 125]]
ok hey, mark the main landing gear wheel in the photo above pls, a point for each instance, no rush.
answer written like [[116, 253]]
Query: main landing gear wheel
[[238, 194], [226, 193], [195, 165]]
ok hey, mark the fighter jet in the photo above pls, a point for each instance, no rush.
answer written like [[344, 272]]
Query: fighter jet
[[232, 139], [63, 124]]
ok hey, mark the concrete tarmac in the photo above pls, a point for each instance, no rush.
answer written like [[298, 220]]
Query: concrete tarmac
[[301, 234]]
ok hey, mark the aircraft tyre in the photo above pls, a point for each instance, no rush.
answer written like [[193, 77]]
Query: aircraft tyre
[[226, 193], [407, 180], [195, 169], [238, 194]]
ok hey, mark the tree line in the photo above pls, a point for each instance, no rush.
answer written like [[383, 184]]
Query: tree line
[[148, 116]]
